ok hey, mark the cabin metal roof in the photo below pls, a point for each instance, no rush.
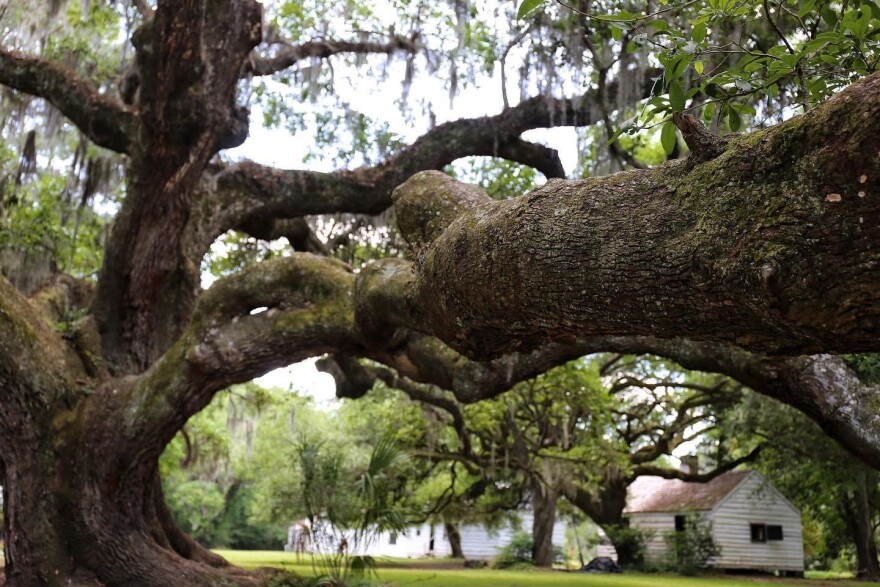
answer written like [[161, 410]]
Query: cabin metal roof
[[655, 494]]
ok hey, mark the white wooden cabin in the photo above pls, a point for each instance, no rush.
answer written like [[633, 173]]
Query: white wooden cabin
[[756, 527], [477, 542], [427, 540]]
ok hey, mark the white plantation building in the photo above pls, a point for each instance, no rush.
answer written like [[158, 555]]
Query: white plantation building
[[427, 540], [756, 527]]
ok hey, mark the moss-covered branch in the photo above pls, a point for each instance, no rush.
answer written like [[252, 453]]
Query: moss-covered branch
[[271, 315], [773, 246], [105, 121], [248, 192]]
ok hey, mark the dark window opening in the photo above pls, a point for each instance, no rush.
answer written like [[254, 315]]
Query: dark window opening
[[774, 532], [680, 523], [624, 523], [393, 538], [759, 532]]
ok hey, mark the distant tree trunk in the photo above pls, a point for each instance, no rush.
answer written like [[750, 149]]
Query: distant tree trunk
[[544, 507], [858, 519], [26, 270], [454, 537], [605, 509]]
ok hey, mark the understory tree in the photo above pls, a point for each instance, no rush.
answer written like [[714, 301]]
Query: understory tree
[[753, 256]]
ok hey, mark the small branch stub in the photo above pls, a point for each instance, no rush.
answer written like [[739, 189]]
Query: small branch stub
[[704, 145]]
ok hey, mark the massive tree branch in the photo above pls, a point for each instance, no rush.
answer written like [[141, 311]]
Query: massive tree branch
[[248, 192], [771, 246], [667, 473], [101, 118], [285, 55], [265, 317]]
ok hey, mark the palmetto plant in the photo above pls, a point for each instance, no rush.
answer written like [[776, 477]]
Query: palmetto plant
[[348, 506]]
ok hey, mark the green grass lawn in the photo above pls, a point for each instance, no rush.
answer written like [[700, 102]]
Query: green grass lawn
[[400, 573]]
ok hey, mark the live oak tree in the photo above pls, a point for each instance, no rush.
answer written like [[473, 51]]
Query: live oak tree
[[748, 257], [657, 408], [584, 432]]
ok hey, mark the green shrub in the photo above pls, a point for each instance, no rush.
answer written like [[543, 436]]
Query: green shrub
[[689, 551], [630, 544], [518, 552]]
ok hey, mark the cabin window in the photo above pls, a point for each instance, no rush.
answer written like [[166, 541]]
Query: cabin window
[[774, 532], [759, 532], [680, 523], [624, 522], [765, 532], [393, 538], [418, 532]]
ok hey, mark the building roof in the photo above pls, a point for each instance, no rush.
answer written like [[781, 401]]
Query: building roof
[[655, 494]]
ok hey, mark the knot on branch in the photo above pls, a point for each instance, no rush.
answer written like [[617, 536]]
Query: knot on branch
[[428, 202], [704, 145], [380, 306], [352, 380]]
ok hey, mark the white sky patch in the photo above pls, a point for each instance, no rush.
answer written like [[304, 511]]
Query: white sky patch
[[306, 379]]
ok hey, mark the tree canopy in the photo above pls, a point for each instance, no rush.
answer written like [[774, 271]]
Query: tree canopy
[[751, 251]]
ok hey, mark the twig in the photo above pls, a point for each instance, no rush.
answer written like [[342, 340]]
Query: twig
[[634, 19]]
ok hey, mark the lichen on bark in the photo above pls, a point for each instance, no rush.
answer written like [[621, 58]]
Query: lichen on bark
[[744, 248]]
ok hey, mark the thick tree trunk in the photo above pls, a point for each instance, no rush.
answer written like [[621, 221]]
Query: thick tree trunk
[[82, 509], [34, 546], [189, 56], [454, 537], [544, 510], [859, 518]]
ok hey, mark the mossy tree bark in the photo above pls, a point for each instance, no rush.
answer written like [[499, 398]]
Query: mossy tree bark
[[770, 246]]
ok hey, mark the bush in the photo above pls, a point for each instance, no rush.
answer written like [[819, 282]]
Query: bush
[[689, 551], [518, 552], [630, 544]]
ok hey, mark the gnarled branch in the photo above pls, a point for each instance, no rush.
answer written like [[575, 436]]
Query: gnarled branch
[[101, 118], [771, 246], [271, 315], [285, 55], [248, 192]]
